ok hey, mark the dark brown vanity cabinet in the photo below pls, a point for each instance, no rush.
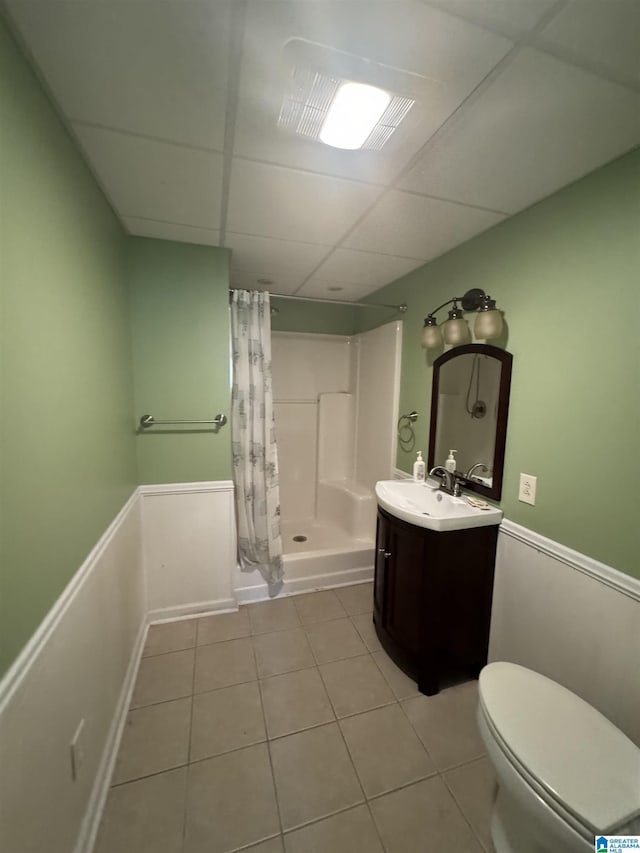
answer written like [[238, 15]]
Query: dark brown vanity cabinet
[[432, 599]]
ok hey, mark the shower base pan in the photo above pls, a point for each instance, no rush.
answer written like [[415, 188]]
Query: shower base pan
[[325, 558]]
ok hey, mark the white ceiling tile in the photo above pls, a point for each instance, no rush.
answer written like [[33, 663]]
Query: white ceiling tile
[[269, 258], [415, 226], [603, 33], [507, 16], [155, 180], [556, 123], [368, 269], [438, 58], [270, 201], [320, 288], [250, 281], [158, 69], [167, 231]]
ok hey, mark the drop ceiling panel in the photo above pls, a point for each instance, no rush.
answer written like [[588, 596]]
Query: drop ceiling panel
[[605, 34], [167, 231], [542, 124], [320, 288], [270, 201], [273, 259], [158, 69], [251, 281], [438, 58], [154, 180], [508, 16], [368, 269], [414, 226]]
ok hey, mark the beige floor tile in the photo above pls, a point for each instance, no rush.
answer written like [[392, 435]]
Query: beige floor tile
[[230, 802], [423, 816], [170, 637], [385, 749], [282, 651], [223, 626], [273, 615], [224, 664], [226, 719], [155, 738], [446, 724], [356, 599], [318, 607], [164, 677], [335, 640], [364, 626], [295, 701], [146, 816], [402, 686], [314, 775], [273, 845], [355, 685], [474, 788], [352, 831]]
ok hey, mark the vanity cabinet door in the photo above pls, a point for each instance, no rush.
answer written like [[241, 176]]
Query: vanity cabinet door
[[432, 599], [407, 570], [380, 576]]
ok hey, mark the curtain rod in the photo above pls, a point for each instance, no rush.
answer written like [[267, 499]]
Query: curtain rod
[[401, 308]]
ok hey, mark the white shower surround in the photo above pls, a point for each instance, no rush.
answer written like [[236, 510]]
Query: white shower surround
[[336, 408]]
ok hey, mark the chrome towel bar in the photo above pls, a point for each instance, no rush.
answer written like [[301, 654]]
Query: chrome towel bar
[[149, 421]]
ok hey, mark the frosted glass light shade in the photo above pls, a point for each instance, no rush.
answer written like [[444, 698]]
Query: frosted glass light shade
[[353, 114], [488, 325], [431, 337], [456, 332]]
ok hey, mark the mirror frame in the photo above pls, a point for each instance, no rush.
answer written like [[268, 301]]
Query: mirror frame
[[506, 359]]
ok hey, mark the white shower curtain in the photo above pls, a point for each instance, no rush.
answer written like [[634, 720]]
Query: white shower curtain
[[255, 456]]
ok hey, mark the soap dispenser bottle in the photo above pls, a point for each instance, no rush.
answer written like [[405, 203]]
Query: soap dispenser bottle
[[419, 468], [450, 464]]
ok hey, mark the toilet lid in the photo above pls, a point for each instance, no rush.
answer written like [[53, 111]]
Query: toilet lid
[[576, 754]]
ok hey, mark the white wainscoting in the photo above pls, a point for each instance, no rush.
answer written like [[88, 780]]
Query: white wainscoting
[[171, 552], [189, 544], [80, 664], [571, 618]]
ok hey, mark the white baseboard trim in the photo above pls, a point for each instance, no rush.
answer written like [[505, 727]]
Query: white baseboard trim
[[607, 575], [19, 668], [185, 488], [297, 586], [188, 611], [100, 790]]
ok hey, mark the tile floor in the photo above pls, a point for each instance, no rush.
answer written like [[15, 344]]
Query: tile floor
[[284, 728]]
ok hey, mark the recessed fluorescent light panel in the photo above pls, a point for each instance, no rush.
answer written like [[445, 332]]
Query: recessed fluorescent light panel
[[341, 113], [355, 111]]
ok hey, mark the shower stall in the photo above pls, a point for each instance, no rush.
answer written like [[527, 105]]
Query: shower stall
[[336, 408]]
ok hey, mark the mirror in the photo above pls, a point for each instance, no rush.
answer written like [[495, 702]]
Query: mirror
[[469, 409]]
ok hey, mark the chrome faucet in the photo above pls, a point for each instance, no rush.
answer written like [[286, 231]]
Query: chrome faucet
[[448, 482], [480, 466]]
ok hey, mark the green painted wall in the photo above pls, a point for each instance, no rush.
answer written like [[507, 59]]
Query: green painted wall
[[565, 273], [314, 317], [180, 331], [67, 456]]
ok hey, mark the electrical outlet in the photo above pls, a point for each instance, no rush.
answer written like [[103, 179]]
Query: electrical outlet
[[527, 493], [76, 748]]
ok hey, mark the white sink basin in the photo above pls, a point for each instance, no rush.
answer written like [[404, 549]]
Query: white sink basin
[[427, 506]]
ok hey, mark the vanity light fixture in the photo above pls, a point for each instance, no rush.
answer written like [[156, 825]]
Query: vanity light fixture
[[455, 330]]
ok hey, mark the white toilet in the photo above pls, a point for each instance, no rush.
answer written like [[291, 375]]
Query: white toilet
[[565, 773]]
